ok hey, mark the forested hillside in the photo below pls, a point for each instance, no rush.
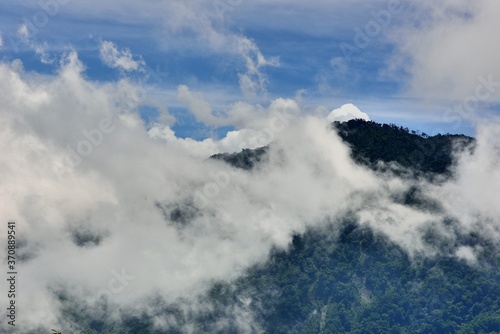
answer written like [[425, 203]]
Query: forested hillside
[[348, 278], [372, 143]]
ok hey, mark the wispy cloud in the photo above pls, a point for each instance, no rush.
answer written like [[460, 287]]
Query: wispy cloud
[[253, 81], [121, 59]]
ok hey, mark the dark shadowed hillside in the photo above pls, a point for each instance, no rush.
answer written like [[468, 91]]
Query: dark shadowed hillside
[[372, 142], [246, 159]]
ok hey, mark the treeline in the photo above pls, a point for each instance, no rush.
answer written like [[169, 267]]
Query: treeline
[[373, 142], [362, 283]]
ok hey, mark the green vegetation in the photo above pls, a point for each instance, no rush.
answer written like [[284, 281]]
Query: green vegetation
[[246, 159], [361, 283], [355, 282], [345, 278], [372, 142]]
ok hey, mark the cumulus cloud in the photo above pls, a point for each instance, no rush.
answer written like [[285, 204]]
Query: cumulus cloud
[[255, 136], [198, 106], [347, 112], [234, 141], [96, 206], [96, 195], [121, 59], [240, 114]]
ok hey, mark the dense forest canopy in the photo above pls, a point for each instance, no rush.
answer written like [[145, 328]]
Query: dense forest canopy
[[372, 143]]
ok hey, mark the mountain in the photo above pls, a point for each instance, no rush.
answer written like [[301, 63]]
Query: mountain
[[372, 143], [246, 159], [355, 280]]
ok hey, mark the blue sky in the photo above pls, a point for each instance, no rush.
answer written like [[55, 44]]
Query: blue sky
[[395, 73]]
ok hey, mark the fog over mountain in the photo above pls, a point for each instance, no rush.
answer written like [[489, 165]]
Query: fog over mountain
[[229, 166], [113, 215]]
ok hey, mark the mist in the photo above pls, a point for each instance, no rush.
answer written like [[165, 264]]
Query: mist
[[110, 209]]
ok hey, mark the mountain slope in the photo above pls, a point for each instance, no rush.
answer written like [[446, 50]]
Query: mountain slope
[[372, 143], [344, 277]]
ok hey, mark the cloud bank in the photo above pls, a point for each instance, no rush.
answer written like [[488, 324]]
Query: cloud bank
[[108, 208], [440, 38]]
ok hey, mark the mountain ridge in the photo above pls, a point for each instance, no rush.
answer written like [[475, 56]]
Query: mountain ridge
[[345, 277], [372, 142]]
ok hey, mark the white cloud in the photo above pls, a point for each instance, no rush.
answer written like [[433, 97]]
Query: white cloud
[[40, 51], [65, 172], [77, 157], [234, 141], [347, 112], [23, 31], [121, 59], [200, 108], [208, 32], [258, 127], [201, 20], [253, 81], [466, 253], [448, 47], [240, 114], [1, 41], [472, 196]]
